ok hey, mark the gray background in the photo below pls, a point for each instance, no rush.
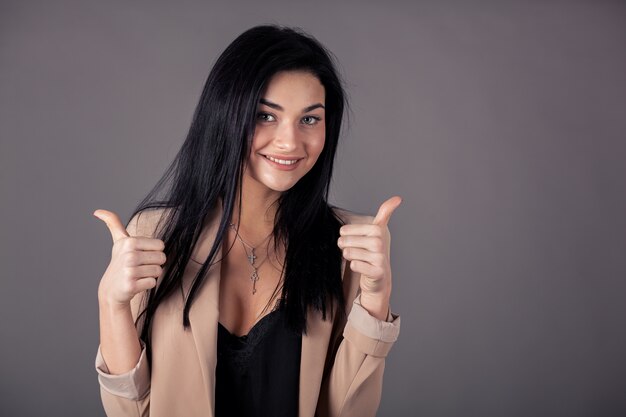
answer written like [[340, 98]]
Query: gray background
[[500, 124]]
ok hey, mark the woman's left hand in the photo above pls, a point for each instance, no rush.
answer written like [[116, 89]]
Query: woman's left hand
[[366, 247]]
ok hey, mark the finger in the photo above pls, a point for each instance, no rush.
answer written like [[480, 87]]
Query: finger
[[147, 257], [146, 271], [113, 222], [366, 268], [358, 254], [371, 243], [360, 229], [386, 209], [145, 284], [141, 243]]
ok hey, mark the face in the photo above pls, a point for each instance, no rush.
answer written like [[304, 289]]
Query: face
[[290, 131]]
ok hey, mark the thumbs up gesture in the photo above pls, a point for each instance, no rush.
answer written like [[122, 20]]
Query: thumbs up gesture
[[366, 247], [135, 263]]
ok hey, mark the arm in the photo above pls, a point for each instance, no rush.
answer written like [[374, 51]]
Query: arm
[[353, 386], [353, 377], [121, 362], [126, 393]]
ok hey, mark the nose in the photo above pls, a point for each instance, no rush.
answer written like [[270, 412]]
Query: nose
[[286, 138]]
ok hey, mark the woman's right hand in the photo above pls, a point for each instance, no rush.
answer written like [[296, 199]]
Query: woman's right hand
[[135, 263]]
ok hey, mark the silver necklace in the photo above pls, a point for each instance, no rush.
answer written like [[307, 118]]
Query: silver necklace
[[251, 257]]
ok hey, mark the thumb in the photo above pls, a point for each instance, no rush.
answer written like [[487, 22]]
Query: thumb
[[386, 209], [113, 222]]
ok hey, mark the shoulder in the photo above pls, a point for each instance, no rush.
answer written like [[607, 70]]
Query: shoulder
[[147, 222], [352, 217]]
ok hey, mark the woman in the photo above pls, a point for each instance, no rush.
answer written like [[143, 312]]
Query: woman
[[229, 296]]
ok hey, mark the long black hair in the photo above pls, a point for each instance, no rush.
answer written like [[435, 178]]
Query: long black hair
[[209, 167]]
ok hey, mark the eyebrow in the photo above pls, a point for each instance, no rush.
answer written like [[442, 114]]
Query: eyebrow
[[279, 107]]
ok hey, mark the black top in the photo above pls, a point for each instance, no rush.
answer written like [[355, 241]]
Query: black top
[[258, 374]]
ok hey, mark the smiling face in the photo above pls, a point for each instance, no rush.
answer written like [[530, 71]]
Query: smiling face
[[289, 132]]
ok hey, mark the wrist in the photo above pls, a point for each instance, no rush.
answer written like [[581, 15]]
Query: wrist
[[376, 305], [113, 306]]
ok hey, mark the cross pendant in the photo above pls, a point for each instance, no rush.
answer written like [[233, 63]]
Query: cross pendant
[[254, 277], [251, 257]]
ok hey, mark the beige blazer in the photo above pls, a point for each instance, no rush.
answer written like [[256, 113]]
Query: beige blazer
[[341, 367]]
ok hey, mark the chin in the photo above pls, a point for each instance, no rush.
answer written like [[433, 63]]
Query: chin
[[280, 188], [278, 184]]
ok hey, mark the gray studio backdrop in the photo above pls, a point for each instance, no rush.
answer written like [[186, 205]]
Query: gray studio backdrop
[[502, 125]]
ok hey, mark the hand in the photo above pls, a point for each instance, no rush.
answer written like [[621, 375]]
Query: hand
[[135, 263], [367, 247]]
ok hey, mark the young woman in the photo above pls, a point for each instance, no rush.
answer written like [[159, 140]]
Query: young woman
[[241, 291]]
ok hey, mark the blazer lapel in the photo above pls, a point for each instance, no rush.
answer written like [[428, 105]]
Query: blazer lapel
[[313, 356], [204, 312], [315, 346]]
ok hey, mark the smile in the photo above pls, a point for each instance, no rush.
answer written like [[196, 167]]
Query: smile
[[282, 161], [283, 164]]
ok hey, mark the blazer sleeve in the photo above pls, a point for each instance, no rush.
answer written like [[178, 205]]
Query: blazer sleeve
[[128, 394], [353, 385], [353, 380]]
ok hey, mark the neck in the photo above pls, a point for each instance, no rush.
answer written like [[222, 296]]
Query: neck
[[258, 210]]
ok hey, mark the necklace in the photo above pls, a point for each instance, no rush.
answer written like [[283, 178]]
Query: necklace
[[251, 257]]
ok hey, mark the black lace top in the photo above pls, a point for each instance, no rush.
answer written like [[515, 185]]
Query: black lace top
[[258, 374]]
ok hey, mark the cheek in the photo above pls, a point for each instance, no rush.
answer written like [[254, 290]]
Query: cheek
[[257, 139], [317, 146]]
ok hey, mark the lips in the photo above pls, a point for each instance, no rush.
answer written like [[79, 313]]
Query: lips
[[282, 160], [284, 166]]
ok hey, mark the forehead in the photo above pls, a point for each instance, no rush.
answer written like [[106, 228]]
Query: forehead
[[294, 88]]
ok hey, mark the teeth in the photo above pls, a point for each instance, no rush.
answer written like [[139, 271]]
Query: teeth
[[282, 161]]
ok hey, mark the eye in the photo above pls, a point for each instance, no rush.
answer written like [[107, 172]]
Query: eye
[[263, 117], [313, 120]]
